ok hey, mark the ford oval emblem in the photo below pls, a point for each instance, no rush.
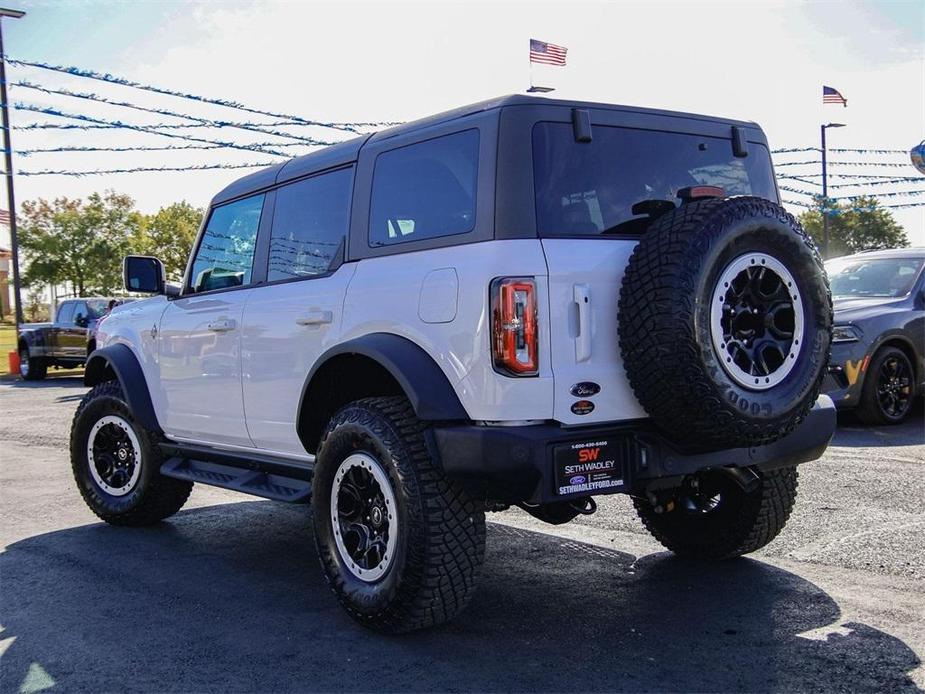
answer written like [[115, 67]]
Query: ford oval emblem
[[582, 407], [577, 479], [585, 389]]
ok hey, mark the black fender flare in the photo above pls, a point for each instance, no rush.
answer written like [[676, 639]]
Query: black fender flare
[[28, 338], [423, 382], [118, 362]]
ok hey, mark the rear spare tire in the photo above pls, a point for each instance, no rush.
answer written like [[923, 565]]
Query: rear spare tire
[[725, 323]]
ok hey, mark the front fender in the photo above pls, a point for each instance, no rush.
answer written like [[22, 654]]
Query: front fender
[[118, 362]]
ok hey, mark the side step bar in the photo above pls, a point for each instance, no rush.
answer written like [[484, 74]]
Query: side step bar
[[270, 478]]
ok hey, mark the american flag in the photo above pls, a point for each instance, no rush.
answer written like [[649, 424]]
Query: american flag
[[4, 217], [830, 95], [547, 53]]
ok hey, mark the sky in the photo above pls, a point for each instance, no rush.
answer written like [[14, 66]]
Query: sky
[[388, 61]]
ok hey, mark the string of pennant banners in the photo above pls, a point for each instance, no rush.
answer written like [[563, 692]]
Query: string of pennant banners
[[122, 81], [185, 132]]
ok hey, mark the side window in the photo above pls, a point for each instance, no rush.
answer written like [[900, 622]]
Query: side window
[[425, 190], [225, 256], [309, 225], [80, 313], [66, 313]]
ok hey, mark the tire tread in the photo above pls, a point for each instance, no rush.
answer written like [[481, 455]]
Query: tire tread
[[163, 496], [444, 569], [764, 515]]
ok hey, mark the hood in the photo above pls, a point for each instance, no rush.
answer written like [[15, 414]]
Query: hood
[[33, 326], [849, 309]]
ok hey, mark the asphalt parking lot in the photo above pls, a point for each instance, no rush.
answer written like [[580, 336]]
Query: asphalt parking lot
[[227, 596]]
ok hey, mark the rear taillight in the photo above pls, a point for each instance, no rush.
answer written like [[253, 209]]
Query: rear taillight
[[513, 326]]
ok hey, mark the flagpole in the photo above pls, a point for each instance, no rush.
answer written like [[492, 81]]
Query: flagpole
[[530, 63], [825, 190], [8, 160]]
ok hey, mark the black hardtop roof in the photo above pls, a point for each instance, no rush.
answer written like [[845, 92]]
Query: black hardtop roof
[[347, 151]]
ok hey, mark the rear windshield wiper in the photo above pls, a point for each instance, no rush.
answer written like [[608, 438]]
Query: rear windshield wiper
[[652, 208]]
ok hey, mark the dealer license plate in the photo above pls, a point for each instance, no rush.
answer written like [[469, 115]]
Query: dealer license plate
[[589, 467]]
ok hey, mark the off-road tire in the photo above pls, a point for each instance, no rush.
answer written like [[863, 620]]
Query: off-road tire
[[441, 539], [749, 522], [36, 367], [154, 497], [664, 324], [869, 410]]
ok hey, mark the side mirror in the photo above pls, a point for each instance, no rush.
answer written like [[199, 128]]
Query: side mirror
[[144, 274], [81, 321]]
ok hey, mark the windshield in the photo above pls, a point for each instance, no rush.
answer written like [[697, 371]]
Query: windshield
[[590, 187], [97, 308], [878, 277]]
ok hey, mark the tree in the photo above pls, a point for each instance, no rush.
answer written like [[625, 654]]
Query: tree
[[36, 308], [169, 235], [78, 243], [862, 225]]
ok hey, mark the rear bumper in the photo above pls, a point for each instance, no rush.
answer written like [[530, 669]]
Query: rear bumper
[[514, 464]]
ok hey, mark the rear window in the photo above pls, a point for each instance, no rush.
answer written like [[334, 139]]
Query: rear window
[[425, 190], [590, 187]]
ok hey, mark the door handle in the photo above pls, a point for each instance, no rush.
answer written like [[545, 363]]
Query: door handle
[[581, 295], [222, 326], [316, 318]]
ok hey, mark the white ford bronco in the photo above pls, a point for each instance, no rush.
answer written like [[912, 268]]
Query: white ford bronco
[[521, 302]]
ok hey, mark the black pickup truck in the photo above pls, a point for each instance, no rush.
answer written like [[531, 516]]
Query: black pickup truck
[[64, 343]]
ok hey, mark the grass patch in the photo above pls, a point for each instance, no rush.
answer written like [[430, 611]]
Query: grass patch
[[7, 344]]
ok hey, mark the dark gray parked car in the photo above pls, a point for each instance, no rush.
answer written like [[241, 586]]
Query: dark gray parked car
[[877, 363]]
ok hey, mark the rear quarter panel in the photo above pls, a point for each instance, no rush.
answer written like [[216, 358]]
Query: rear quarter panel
[[387, 295]]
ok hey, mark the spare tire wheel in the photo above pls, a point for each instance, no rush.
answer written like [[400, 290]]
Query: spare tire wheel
[[725, 323]]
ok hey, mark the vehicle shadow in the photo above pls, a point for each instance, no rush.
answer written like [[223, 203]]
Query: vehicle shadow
[[230, 598], [853, 433], [53, 380]]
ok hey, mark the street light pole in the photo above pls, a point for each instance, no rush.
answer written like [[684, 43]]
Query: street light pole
[[8, 155], [825, 191]]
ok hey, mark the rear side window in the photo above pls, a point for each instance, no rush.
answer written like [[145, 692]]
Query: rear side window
[[66, 313], [225, 256], [309, 225], [590, 187], [425, 190]]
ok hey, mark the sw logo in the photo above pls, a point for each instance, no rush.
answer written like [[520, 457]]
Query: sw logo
[[588, 455]]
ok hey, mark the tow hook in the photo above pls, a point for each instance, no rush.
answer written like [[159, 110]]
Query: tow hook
[[585, 507], [558, 512], [747, 479], [660, 503]]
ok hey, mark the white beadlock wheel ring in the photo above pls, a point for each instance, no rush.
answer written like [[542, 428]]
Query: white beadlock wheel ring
[[388, 513], [134, 453], [743, 321]]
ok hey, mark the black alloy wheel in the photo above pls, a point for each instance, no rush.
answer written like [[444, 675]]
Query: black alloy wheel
[[894, 387], [889, 388]]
